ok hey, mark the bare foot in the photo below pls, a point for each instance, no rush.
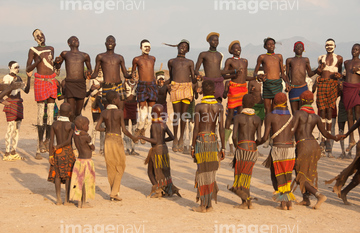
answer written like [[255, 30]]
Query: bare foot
[[321, 198], [249, 204], [289, 205], [200, 209], [59, 202], [351, 145], [85, 205], [116, 198], [304, 202], [343, 197], [282, 206], [209, 209], [68, 204], [243, 206]]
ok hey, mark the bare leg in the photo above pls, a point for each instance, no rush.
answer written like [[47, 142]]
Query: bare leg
[[67, 192], [350, 124], [184, 109], [177, 116], [58, 190], [355, 182], [267, 105], [294, 106], [243, 205]]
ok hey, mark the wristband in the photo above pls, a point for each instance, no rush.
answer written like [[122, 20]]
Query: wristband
[[90, 144]]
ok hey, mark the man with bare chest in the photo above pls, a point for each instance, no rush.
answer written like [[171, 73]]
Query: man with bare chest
[[146, 89], [296, 68], [182, 77], [327, 85], [45, 85], [211, 61], [75, 82], [111, 64], [274, 73], [351, 89], [237, 68]]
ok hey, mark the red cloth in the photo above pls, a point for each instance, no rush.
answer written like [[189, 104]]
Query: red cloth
[[45, 86], [236, 94], [15, 111], [351, 96], [130, 110]]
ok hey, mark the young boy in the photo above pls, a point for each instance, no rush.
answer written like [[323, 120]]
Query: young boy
[[158, 158], [273, 73], [14, 112], [114, 148], [61, 156], [163, 89], [83, 179], [246, 125]]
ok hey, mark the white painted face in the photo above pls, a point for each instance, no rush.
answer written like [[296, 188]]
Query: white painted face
[[14, 68], [39, 36], [145, 47], [330, 46]]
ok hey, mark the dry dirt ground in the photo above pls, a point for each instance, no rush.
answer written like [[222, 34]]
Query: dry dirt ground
[[27, 200]]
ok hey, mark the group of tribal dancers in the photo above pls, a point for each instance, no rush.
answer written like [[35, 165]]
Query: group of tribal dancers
[[248, 106]]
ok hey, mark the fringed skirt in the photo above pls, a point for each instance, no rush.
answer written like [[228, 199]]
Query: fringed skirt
[[206, 158]]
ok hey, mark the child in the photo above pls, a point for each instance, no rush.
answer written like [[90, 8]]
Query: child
[[14, 112], [114, 148], [130, 113], [163, 89], [246, 125], [158, 158], [61, 156], [83, 179]]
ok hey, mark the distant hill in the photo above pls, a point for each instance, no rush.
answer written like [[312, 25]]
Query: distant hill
[[18, 51]]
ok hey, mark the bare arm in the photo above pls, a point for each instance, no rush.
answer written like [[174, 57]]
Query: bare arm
[[267, 129], [258, 132], [88, 63], [98, 125], [170, 69], [222, 131], [97, 66], [134, 66], [126, 132], [170, 135], [235, 131], [192, 72], [66, 142], [27, 87], [154, 139], [196, 129], [227, 67], [29, 66], [323, 131], [257, 67], [123, 68], [288, 67], [198, 63]]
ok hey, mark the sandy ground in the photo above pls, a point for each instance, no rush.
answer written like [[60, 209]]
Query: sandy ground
[[27, 199]]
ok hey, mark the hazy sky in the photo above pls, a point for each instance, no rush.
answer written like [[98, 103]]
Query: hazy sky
[[172, 20]]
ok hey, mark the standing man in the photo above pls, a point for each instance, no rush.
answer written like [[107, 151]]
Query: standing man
[[182, 77], [273, 73], [327, 85], [111, 64], [296, 68], [281, 160], [351, 90], [146, 89], [204, 148], [308, 151], [75, 81], [211, 61], [45, 85]]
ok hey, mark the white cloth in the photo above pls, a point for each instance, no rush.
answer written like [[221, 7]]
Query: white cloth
[[333, 67]]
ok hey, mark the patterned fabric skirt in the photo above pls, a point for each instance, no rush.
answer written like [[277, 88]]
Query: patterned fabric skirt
[[283, 161], [15, 111], [83, 175], [243, 163], [64, 160], [236, 94], [206, 158]]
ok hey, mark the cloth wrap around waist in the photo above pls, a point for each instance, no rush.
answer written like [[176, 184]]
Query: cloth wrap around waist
[[75, 88], [296, 91], [327, 93], [236, 94], [15, 111], [350, 95], [180, 91], [219, 86], [83, 175], [118, 87], [146, 91], [45, 87], [64, 160]]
